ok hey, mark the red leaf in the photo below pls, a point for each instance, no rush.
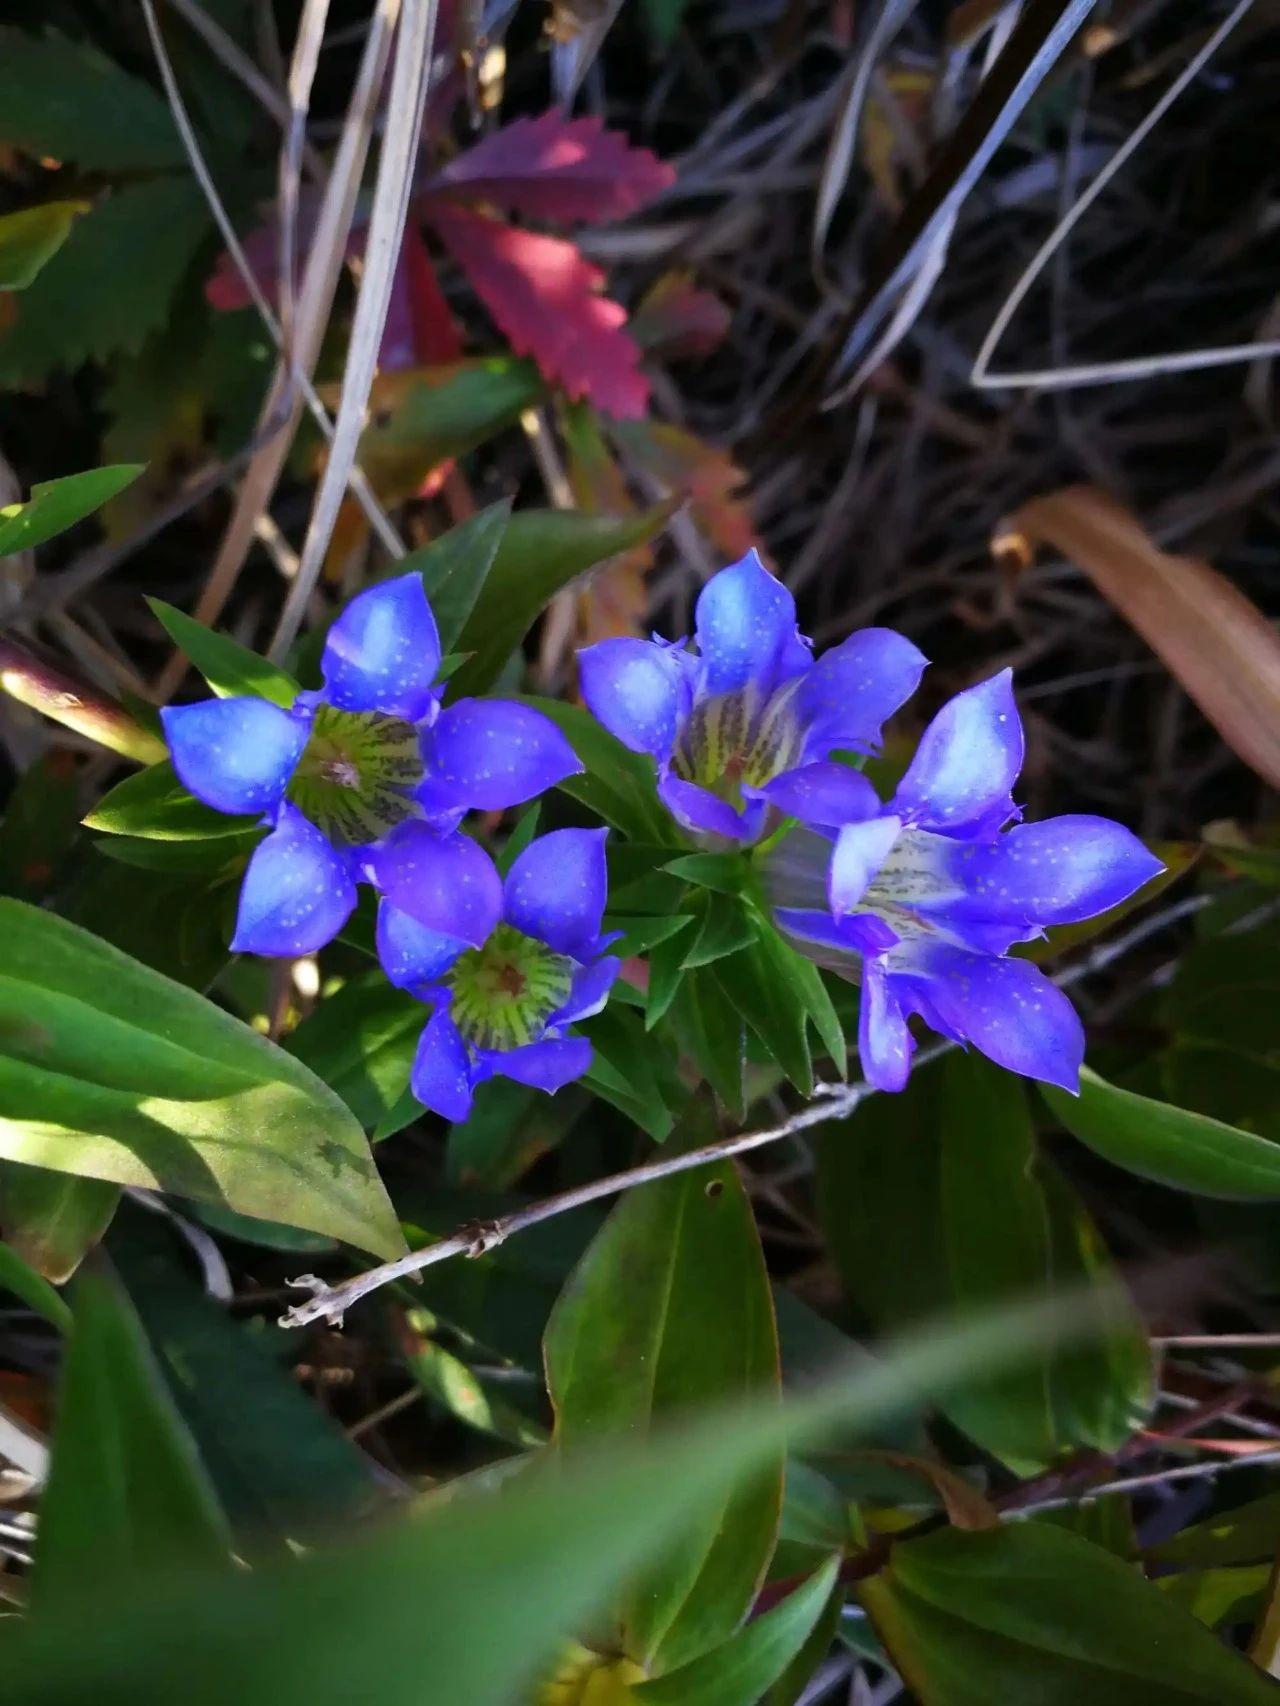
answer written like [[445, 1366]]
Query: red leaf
[[420, 331], [557, 168], [678, 322], [546, 299], [225, 289]]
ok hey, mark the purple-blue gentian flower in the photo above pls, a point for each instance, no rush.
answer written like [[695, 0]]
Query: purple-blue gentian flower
[[336, 774], [506, 966], [930, 892], [742, 731]]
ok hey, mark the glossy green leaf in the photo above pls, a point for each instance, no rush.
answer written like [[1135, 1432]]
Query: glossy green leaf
[[24, 1283], [31, 237], [726, 873], [616, 784], [227, 666], [58, 504], [1028, 1612], [282, 1468], [455, 567], [763, 982], [1173, 1146], [127, 1496], [175, 922], [541, 552], [623, 1069], [361, 1041], [725, 927], [113, 1071], [738, 1672], [52, 1220], [447, 1381], [670, 1308], [950, 1166], [153, 803], [1230, 1594], [220, 856]]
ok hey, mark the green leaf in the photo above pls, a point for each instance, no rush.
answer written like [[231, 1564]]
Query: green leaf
[[455, 567], [1173, 1146], [30, 1288], [447, 1381], [763, 982], [1028, 1612], [171, 921], [283, 1469], [711, 1029], [153, 803], [221, 856], [64, 99], [669, 1309], [113, 1071], [32, 237], [56, 505], [737, 1672], [1246, 1534], [52, 1220], [39, 828], [950, 1166], [111, 283], [226, 665], [451, 411], [1229, 1595], [617, 785], [726, 927], [127, 1496], [724, 872], [622, 1069], [541, 552], [641, 935], [361, 1041]]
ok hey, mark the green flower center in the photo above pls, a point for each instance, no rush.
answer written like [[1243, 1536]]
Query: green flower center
[[504, 992], [733, 739], [356, 777]]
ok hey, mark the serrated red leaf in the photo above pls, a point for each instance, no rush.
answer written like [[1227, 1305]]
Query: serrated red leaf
[[556, 168], [420, 330], [546, 298]]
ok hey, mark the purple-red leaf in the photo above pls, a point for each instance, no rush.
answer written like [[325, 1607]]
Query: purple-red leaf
[[556, 168], [420, 330], [546, 298]]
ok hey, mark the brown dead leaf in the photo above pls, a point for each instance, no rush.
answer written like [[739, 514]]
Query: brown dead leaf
[[1218, 645]]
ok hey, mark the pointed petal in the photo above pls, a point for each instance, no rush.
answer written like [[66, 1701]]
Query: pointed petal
[[297, 892], [860, 933], [557, 888], [860, 850], [828, 794], [236, 755], [441, 1077], [746, 629], [413, 955], [637, 690], [885, 1045], [703, 813], [446, 882], [547, 1065], [590, 992], [1006, 1008], [490, 753], [852, 690], [968, 760], [383, 652], [1057, 872]]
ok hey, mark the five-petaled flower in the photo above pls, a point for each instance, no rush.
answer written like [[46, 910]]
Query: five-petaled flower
[[743, 731], [340, 774], [931, 891], [506, 966]]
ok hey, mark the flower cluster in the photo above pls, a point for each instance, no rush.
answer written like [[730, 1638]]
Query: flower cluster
[[755, 741]]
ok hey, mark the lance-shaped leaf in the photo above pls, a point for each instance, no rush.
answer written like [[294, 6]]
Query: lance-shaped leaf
[[128, 1496], [33, 236], [52, 1220], [111, 1070], [59, 504], [556, 168], [1029, 1612], [546, 298], [668, 1310]]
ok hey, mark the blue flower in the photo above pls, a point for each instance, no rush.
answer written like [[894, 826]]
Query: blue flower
[[506, 967], [930, 892], [742, 731], [336, 774]]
